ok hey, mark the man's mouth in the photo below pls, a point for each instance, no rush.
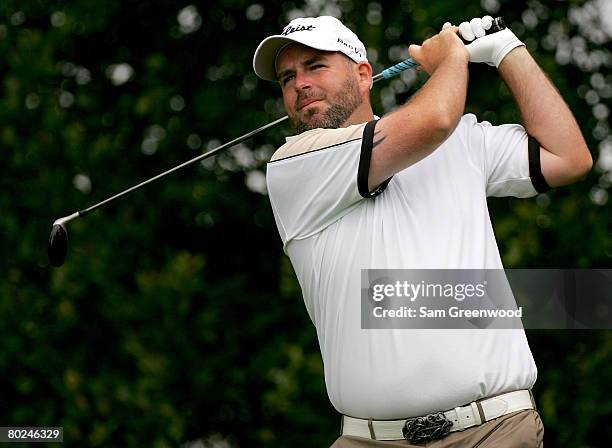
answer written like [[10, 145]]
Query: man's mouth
[[307, 102]]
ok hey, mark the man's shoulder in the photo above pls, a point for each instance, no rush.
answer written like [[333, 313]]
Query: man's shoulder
[[318, 139], [468, 121], [468, 124]]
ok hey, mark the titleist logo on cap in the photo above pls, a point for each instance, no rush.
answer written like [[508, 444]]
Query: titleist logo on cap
[[292, 29]]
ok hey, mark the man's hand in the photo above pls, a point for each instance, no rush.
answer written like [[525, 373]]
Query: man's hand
[[492, 48], [435, 50]]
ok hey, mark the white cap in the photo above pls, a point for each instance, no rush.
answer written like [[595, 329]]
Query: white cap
[[321, 33]]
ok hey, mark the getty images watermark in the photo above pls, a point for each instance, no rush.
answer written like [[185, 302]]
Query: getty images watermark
[[486, 298]]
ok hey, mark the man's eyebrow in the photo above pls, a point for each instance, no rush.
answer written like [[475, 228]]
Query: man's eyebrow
[[314, 59], [310, 61], [280, 75]]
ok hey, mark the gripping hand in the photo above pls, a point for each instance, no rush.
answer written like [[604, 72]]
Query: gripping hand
[[491, 48]]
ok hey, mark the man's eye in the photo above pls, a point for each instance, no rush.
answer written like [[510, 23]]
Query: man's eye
[[286, 79], [317, 66]]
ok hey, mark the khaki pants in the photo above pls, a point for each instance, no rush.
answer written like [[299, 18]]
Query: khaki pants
[[521, 429]]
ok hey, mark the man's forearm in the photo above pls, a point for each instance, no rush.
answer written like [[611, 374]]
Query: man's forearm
[[546, 117], [416, 129], [445, 93]]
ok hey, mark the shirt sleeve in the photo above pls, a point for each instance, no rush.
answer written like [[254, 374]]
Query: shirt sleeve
[[317, 182], [509, 158]]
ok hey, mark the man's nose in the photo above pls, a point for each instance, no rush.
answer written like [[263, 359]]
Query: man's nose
[[302, 81]]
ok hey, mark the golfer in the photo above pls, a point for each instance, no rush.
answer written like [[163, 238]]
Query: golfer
[[408, 191]]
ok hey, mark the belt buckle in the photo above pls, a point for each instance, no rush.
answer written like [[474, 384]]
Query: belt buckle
[[430, 427]]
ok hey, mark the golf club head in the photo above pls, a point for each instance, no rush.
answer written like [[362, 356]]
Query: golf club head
[[58, 245]]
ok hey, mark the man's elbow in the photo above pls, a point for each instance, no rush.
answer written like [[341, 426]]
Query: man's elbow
[[579, 165], [584, 163], [567, 169], [443, 124]]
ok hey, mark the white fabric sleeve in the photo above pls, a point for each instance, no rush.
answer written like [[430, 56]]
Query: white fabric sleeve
[[311, 190], [504, 153]]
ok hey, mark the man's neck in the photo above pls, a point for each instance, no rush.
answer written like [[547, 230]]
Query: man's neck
[[362, 114]]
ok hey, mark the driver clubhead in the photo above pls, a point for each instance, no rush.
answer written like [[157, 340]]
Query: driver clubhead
[[58, 245]]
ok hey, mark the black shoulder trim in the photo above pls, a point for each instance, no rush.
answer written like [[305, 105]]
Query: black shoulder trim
[[367, 143], [535, 169]]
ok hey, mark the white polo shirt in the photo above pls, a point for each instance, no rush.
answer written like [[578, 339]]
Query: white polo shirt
[[432, 215]]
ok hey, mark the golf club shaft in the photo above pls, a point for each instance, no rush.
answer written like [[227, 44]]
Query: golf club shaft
[[404, 65]]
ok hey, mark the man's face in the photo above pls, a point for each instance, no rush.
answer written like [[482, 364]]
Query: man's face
[[320, 88]]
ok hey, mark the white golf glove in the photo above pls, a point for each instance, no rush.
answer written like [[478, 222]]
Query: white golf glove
[[492, 48]]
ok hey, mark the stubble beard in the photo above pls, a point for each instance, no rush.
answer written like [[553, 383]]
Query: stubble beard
[[348, 99]]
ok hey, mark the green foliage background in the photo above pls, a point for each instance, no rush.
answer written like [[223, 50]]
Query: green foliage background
[[177, 317]]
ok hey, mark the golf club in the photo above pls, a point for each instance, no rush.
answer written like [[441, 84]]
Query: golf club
[[58, 240]]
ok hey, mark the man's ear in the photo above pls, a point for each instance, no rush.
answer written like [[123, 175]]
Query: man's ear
[[364, 69]]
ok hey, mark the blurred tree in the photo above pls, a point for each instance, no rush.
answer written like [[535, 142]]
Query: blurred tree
[[177, 317]]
